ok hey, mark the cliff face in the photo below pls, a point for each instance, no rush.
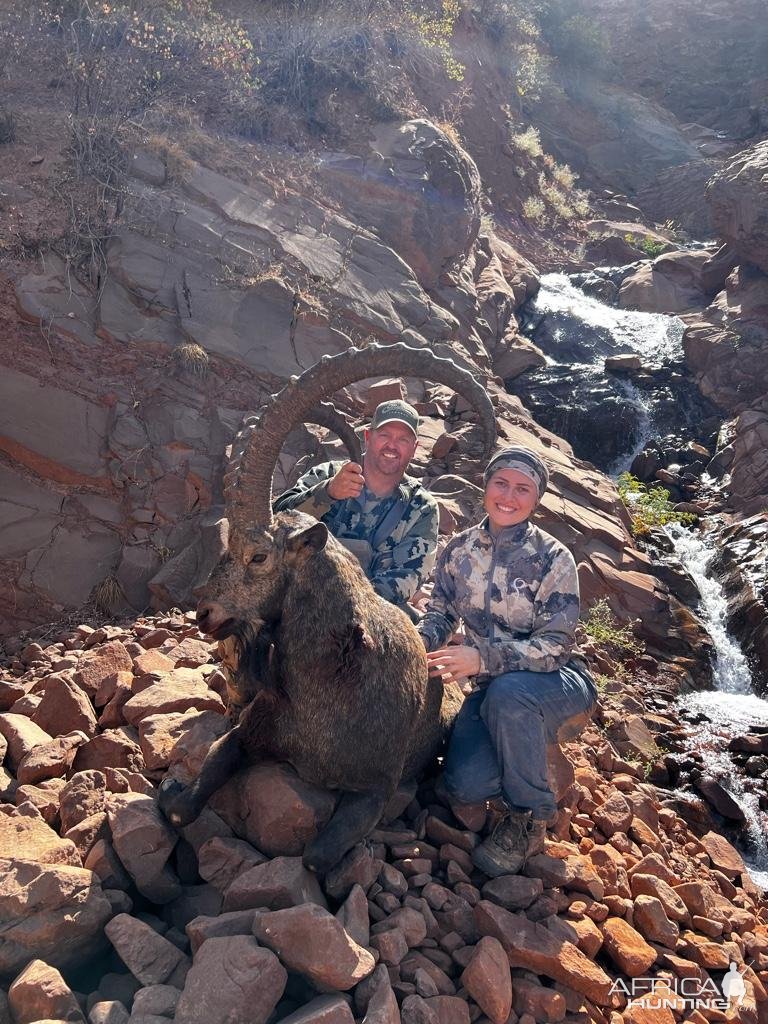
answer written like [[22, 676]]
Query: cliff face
[[119, 396]]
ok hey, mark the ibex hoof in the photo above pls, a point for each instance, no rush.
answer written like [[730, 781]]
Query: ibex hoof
[[173, 801]]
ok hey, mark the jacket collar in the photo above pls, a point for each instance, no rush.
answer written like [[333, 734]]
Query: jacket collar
[[509, 535]]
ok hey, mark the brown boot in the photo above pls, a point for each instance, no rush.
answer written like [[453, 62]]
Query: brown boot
[[503, 852], [537, 833]]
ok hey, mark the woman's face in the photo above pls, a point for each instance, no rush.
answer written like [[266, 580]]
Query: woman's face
[[510, 497]]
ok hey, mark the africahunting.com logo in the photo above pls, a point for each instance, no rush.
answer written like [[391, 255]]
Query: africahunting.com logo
[[684, 993]]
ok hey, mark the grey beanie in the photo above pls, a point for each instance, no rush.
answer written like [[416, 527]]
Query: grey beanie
[[524, 461]]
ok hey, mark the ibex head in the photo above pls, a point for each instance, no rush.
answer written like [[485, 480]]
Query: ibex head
[[264, 549]]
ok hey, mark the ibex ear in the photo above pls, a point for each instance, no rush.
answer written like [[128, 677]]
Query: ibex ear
[[300, 546]]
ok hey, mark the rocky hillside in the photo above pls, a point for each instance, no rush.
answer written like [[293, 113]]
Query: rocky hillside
[[108, 912]]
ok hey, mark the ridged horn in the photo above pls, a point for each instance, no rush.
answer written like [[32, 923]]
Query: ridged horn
[[248, 483]]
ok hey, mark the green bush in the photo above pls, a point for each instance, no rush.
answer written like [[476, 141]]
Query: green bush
[[649, 506], [601, 626], [647, 245]]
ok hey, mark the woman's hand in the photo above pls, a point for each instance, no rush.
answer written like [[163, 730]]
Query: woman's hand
[[454, 664]]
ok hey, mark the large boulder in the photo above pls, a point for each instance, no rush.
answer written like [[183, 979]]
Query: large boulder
[[738, 197], [419, 189], [52, 912]]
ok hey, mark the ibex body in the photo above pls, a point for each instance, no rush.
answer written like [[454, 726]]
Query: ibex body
[[339, 676]]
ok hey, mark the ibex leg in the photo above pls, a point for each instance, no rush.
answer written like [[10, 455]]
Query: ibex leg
[[355, 815], [180, 804]]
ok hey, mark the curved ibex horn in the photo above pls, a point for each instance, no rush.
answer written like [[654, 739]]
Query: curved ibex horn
[[248, 485]]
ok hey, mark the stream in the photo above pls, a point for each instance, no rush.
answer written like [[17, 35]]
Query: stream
[[610, 418]]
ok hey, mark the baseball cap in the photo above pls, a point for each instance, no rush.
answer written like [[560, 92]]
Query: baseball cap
[[396, 411]]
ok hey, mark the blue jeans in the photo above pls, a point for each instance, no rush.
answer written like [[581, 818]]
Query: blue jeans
[[498, 747]]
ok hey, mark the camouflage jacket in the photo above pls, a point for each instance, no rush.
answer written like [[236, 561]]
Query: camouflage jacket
[[517, 594], [402, 560]]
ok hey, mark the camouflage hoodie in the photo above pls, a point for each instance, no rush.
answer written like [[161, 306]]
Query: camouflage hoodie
[[517, 594], [404, 559]]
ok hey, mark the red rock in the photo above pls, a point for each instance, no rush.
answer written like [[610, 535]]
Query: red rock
[[49, 760], [236, 922], [44, 797], [416, 961], [352, 915], [30, 839], [407, 920], [22, 736], [222, 859], [416, 1011], [575, 872], [513, 892], [357, 867], [488, 980], [323, 1010], [10, 692], [637, 1013], [248, 983], [190, 653], [180, 690], [391, 946], [144, 841], [95, 666], [150, 958], [152, 660], [64, 708], [699, 898], [85, 794], [531, 946], [627, 948], [654, 864], [52, 912], [653, 924], [723, 856], [110, 686], [589, 938], [272, 808], [647, 885], [104, 862], [311, 941], [40, 993], [108, 1011], [88, 832], [158, 735], [158, 1000], [277, 884], [449, 1009], [615, 815], [113, 748], [382, 1004], [545, 1005]]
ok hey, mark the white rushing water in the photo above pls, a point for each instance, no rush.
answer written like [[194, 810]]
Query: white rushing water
[[730, 710], [654, 336]]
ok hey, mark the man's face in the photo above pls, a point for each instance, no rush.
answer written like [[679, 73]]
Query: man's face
[[389, 449]]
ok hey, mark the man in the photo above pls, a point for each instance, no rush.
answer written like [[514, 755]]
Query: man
[[387, 519]]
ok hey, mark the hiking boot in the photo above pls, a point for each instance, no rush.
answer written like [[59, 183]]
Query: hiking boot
[[503, 852], [537, 833]]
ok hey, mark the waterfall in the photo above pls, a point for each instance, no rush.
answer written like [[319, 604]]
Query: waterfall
[[732, 708], [654, 336]]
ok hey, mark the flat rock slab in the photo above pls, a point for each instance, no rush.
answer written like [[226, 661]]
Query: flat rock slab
[[311, 941], [144, 841], [180, 690]]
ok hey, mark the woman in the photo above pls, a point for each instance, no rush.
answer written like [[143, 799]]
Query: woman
[[516, 590]]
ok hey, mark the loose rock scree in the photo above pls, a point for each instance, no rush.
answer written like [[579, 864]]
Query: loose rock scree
[[338, 675]]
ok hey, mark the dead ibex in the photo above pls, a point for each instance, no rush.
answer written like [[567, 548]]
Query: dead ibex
[[343, 692]]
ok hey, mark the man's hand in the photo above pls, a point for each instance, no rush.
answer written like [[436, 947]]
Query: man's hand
[[454, 664], [347, 483]]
